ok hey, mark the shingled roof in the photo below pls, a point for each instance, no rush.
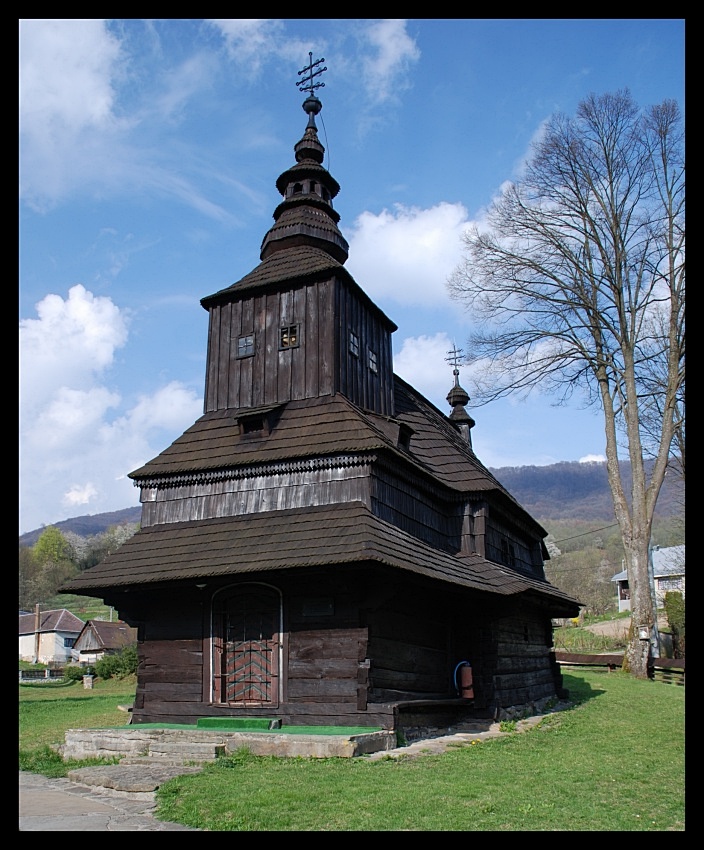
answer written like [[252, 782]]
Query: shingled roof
[[109, 636], [293, 539], [58, 620], [329, 426], [302, 264]]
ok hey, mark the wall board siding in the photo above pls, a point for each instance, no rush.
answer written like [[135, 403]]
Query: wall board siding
[[256, 493]]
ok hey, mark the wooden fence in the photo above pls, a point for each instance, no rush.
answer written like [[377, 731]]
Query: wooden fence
[[668, 670]]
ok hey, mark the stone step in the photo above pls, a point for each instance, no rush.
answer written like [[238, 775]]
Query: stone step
[[200, 746]]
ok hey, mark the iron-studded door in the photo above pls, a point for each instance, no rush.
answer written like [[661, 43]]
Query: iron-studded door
[[249, 665]]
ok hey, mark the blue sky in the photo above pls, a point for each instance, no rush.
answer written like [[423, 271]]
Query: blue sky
[[149, 151]]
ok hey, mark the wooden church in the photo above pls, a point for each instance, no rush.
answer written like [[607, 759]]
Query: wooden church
[[323, 546]]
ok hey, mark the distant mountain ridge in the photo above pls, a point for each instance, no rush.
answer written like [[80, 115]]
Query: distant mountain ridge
[[566, 490]]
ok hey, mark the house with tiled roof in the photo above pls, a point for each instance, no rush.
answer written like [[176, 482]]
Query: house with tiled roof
[[47, 637], [322, 545], [98, 638]]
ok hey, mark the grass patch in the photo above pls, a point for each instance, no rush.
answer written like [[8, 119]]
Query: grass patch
[[575, 639], [589, 768], [614, 762], [84, 607], [47, 711], [48, 762]]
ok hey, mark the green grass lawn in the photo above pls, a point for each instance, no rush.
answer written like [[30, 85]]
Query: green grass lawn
[[614, 762], [46, 711]]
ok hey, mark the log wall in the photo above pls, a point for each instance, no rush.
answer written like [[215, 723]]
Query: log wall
[[354, 644]]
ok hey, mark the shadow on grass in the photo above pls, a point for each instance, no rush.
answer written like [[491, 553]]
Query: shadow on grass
[[580, 691]]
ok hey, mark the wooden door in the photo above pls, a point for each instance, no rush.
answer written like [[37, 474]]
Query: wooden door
[[247, 671]]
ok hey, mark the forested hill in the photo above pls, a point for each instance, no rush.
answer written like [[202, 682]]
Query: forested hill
[[567, 490], [572, 490], [89, 525]]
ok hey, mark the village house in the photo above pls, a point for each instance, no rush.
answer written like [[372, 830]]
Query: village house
[[99, 638], [47, 637], [667, 567], [323, 546]]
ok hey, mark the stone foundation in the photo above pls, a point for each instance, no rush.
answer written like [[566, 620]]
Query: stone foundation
[[184, 746]]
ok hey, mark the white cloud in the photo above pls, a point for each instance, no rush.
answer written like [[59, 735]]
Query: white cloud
[[386, 67], [592, 459], [421, 363], [65, 72], [80, 495], [66, 103], [252, 42], [82, 130], [78, 440], [407, 255], [71, 343]]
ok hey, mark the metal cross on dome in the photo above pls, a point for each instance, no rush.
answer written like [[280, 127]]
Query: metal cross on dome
[[455, 356], [307, 84]]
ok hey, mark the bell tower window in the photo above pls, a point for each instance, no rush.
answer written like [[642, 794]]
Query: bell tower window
[[288, 337], [245, 345], [373, 362]]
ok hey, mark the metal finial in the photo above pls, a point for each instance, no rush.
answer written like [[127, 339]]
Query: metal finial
[[454, 358], [307, 84]]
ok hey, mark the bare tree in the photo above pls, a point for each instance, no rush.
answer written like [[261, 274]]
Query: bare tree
[[578, 280]]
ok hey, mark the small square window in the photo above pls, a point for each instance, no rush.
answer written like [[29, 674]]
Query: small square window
[[252, 425], [288, 337], [373, 364], [354, 344], [245, 345]]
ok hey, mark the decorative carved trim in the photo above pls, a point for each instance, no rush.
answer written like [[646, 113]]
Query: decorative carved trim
[[207, 476]]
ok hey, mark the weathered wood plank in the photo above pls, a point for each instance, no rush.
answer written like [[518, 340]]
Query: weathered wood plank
[[184, 691], [400, 656], [318, 690], [312, 377], [318, 668]]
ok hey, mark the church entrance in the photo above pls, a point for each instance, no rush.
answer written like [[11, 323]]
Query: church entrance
[[247, 624]]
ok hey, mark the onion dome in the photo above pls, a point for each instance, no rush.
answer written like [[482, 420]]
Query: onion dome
[[306, 215], [457, 398]]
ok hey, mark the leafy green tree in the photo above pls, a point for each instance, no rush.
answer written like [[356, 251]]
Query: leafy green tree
[[29, 571], [577, 282], [53, 556], [52, 546]]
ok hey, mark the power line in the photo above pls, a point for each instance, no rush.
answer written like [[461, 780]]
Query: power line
[[584, 533]]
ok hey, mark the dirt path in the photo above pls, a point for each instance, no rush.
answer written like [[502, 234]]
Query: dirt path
[[618, 627], [611, 628]]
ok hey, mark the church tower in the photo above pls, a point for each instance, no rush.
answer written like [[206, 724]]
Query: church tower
[[298, 326]]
